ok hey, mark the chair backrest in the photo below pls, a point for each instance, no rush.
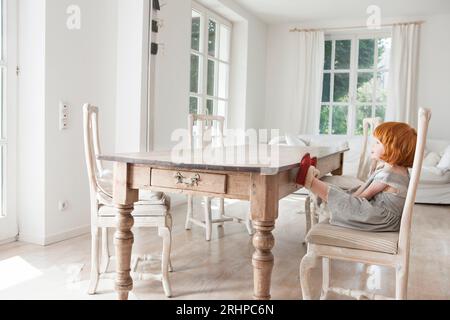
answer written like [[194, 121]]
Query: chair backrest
[[92, 146], [206, 126], [366, 165], [405, 227]]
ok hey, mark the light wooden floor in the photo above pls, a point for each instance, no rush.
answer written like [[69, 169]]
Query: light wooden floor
[[222, 268]]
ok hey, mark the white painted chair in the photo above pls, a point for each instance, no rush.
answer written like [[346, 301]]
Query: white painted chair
[[365, 168], [152, 211], [210, 130], [391, 249]]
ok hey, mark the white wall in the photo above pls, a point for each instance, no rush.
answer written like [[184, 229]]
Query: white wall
[[79, 66], [31, 121], [132, 59], [433, 75]]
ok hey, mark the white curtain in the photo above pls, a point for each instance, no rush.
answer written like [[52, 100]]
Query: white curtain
[[402, 90], [305, 110]]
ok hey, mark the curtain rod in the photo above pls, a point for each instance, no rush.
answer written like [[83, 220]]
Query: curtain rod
[[356, 27]]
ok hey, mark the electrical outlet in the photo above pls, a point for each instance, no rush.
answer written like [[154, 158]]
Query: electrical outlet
[[63, 116], [63, 205]]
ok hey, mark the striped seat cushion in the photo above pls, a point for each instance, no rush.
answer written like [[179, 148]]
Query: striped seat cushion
[[327, 234]]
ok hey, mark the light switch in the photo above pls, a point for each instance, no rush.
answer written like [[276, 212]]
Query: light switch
[[63, 116]]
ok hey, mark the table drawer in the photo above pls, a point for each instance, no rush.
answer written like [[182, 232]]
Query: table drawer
[[195, 181]]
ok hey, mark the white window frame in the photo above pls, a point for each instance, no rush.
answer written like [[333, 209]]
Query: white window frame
[[4, 70], [8, 217], [352, 103], [202, 96]]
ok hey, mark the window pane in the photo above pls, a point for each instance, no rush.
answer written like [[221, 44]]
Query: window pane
[[212, 35], [195, 73], [341, 86], [380, 111], [365, 87], [343, 49], [339, 120], [325, 120], [326, 87], [366, 54], [224, 43], [193, 105], [195, 35], [362, 112], [384, 53], [209, 107], [211, 78], [382, 83], [223, 80], [221, 108], [328, 49]]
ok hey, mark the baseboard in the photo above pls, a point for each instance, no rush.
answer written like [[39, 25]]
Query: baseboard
[[66, 235], [58, 237], [8, 240], [28, 238]]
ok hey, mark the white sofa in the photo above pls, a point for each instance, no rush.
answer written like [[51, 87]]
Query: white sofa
[[434, 187]]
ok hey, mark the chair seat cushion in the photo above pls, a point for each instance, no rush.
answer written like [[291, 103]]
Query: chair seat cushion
[[145, 197], [343, 182], [140, 210], [327, 234]]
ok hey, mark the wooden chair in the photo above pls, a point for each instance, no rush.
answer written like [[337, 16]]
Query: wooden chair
[[152, 211], [365, 168], [207, 126], [391, 249]]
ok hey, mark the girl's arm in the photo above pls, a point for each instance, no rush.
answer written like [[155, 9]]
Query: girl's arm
[[371, 191]]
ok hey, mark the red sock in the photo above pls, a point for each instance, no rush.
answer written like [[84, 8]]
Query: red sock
[[304, 167]]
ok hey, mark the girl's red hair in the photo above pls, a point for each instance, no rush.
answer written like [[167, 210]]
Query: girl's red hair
[[399, 141]]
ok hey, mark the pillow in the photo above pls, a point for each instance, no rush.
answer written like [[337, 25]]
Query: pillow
[[444, 164], [431, 160], [292, 140]]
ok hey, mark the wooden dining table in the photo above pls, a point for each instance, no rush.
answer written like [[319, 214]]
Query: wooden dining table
[[261, 174]]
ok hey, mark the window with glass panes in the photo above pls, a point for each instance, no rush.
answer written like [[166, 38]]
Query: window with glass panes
[[210, 62], [355, 79]]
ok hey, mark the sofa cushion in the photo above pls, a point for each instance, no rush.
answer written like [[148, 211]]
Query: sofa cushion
[[327, 234], [433, 175], [432, 159], [444, 164], [294, 140]]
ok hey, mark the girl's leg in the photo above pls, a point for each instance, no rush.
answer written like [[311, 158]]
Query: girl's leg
[[320, 189]]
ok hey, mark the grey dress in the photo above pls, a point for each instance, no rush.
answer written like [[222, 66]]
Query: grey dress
[[382, 213]]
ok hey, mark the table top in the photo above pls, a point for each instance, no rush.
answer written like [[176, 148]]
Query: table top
[[264, 159]]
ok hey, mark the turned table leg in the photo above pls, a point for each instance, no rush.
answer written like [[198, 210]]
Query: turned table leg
[[123, 241], [263, 260], [124, 199], [264, 208]]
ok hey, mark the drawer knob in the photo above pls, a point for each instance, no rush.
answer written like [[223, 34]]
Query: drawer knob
[[189, 182]]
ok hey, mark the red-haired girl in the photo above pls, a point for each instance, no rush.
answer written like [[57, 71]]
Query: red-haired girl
[[378, 204]]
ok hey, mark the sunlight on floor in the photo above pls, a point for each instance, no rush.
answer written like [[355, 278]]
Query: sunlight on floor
[[16, 270]]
